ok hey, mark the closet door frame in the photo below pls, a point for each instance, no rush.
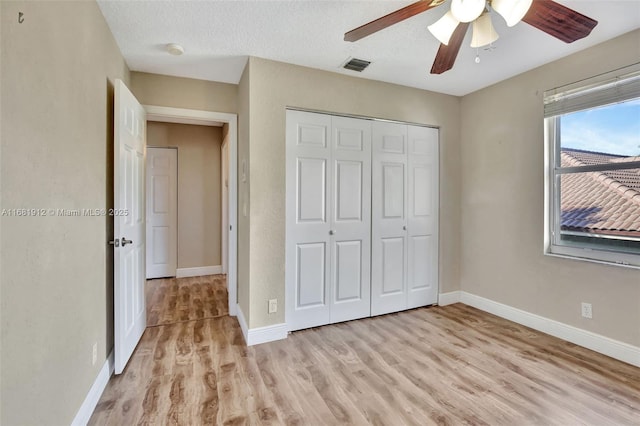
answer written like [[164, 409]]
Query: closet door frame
[[324, 235]]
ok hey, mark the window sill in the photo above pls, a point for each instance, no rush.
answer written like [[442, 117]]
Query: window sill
[[603, 258]]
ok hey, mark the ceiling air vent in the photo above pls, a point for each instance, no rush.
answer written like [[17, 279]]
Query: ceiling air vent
[[355, 64]]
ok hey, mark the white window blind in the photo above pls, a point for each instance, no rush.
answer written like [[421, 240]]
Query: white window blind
[[612, 87]]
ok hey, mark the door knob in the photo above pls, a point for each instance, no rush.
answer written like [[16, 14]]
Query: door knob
[[115, 243], [125, 241], [331, 232], [404, 228]]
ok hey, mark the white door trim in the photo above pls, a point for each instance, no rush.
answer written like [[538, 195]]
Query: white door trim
[[209, 118], [224, 182]]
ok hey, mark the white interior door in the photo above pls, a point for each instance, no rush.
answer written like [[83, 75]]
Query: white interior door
[[308, 168], [422, 217], [350, 219], [162, 212], [129, 224], [389, 219]]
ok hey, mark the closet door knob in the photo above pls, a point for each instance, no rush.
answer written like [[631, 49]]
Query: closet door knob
[[404, 228], [331, 232]]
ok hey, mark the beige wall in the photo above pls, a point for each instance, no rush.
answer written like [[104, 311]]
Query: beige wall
[[199, 189], [276, 85], [503, 198], [177, 92], [58, 69]]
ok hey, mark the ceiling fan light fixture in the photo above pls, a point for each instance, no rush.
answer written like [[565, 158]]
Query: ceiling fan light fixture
[[467, 10], [549, 16], [483, 31], [444, 27], [511, 10]]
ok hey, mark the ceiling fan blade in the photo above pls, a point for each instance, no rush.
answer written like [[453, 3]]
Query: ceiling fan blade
[[559, 21], [390, 19], [447, 53]]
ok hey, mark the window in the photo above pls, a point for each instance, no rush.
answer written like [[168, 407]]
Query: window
[[593, 169]]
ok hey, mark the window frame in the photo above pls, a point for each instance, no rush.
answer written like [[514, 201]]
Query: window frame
[[553, 246]]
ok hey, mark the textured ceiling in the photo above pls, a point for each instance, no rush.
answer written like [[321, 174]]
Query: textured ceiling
[[218, 36]]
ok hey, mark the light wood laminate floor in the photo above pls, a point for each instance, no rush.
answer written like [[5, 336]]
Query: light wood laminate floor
[[440, 365], [172, 300]]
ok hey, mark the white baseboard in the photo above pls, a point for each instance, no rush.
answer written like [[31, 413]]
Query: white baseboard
[[266, 334], [596, 342], [243, 324], [450, 298], [256, 336], [199, 271], [91, 401]]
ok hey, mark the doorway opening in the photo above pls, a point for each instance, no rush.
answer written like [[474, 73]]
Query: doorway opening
[[199, 285]]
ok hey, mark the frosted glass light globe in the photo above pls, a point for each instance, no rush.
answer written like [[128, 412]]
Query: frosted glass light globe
[[444, 27], [511, 10], [467, 10]]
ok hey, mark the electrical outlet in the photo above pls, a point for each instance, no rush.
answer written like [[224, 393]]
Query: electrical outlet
[[587, 312], [94, 357], [273, 306]]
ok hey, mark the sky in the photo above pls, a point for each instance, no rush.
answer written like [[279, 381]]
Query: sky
[[612, 129]]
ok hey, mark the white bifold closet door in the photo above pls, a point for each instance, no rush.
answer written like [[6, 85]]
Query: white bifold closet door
[[404, 241], [328, 185]]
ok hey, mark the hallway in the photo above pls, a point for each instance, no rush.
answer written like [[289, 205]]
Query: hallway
[[174, 300]]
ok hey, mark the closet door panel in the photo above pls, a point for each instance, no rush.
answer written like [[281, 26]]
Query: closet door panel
[[422, 217], [349, 191], [392, 266], [350, 219], [308, 256], [393, 190], [348, 271], [310, 280], [388, 216], [419, 274], [311, 190]]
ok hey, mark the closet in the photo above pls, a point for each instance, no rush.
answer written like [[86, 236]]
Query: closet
[[361, 218]]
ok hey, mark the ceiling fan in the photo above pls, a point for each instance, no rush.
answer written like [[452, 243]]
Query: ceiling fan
[[546, 15]]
